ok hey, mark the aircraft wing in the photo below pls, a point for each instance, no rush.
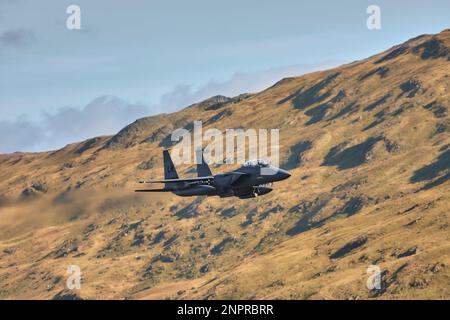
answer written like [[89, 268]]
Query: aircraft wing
[[153, 190], [236, 176], [188, 180]]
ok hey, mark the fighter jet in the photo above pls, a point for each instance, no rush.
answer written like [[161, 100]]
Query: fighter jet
[[253, 179]]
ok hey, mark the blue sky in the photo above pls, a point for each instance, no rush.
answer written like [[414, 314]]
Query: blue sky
[[148, 57]]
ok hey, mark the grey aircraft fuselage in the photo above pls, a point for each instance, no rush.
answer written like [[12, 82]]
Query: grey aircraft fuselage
[[245, 182], [252, 179]]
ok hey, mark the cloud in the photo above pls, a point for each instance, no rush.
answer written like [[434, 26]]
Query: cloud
[[184, 95], [108, 114], [104, 115], [20, 135], [17, 38]]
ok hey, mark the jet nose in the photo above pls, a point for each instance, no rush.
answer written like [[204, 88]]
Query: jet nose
[[283, 174]]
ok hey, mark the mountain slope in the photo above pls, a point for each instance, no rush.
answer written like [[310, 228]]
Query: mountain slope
[[367, 144]]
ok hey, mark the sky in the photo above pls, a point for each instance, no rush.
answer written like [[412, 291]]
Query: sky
[[132, 59]]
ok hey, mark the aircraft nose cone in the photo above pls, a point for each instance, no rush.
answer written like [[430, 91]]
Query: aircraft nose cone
[[283, 174]]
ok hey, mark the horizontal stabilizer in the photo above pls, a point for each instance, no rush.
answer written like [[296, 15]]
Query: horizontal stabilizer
[[199, 179]]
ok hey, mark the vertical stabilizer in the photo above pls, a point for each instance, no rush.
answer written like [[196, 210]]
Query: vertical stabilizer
[[169, 169], [202, 167]]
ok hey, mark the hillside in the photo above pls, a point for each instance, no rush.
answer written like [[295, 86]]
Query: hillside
[[367, 144]]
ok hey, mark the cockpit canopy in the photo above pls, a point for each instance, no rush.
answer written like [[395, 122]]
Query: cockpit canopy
[[256, 163]]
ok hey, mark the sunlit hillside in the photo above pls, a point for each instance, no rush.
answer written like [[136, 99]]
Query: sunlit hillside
[[367, 145]]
